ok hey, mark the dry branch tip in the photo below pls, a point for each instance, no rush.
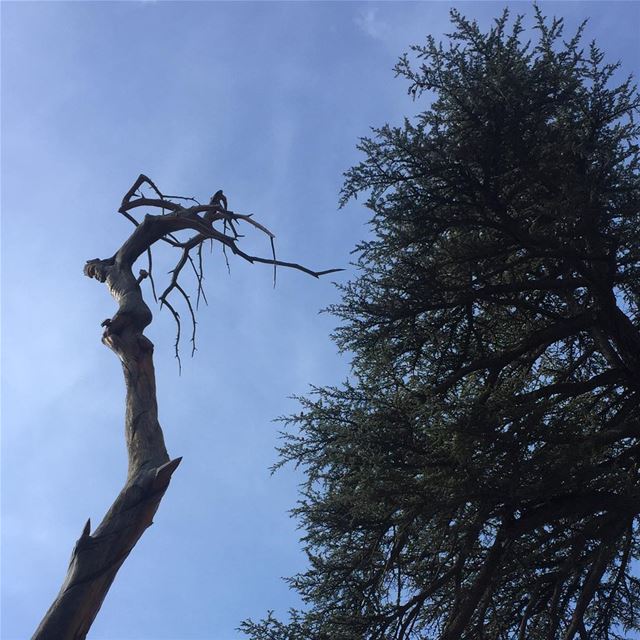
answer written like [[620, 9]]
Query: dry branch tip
[[164, 472], [175, 217]]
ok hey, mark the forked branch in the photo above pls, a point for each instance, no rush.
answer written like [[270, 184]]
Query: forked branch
[[202, 219], [97, 556]]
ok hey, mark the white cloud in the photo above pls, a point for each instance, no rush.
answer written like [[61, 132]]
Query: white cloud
[[369, 22]]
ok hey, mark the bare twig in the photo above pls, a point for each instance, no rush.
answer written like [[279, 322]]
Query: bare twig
[[275, 266], [176, 317], [193, 318], [200, 278], [199, 218], [153, 285], [182, 198]]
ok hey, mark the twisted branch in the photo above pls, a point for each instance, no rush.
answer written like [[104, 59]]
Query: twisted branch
[[97, 556], [201, 219]]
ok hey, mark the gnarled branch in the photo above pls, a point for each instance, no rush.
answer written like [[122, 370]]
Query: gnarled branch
[[97, 556], [200, 218]]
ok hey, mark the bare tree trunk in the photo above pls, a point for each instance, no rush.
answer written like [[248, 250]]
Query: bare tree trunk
[[97, 556]]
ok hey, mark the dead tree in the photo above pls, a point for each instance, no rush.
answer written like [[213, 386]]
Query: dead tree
[[97, 556]]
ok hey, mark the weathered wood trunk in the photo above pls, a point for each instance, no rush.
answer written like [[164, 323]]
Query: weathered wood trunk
[[97, 556]]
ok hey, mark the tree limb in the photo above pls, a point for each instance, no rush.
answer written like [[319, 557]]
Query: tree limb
[[97, 556]]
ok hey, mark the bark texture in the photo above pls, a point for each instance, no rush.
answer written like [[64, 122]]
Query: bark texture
[[97, 556]]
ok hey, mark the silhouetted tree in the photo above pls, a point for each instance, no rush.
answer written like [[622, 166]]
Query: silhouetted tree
[[97, 556], [478, 476]]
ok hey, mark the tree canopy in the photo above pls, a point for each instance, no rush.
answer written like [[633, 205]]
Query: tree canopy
[[478, 475]]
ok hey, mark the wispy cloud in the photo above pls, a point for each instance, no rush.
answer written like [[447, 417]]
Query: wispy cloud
[[369, 22]]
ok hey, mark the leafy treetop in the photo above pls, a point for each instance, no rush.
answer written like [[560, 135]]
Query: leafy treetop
[[478, 478]]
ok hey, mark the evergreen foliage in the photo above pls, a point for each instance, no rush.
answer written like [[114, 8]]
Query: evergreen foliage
[[478, 476]]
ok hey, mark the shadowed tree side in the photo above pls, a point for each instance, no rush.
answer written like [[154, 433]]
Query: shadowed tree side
[[478, 477], [97, 556]]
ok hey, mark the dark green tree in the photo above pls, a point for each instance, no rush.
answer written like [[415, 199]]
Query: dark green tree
[[478, 476]]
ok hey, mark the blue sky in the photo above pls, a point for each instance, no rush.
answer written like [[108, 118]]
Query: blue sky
[[267, 101]]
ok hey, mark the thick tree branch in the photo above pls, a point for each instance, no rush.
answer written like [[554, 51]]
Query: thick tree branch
[[97, 556], [540, 338]]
